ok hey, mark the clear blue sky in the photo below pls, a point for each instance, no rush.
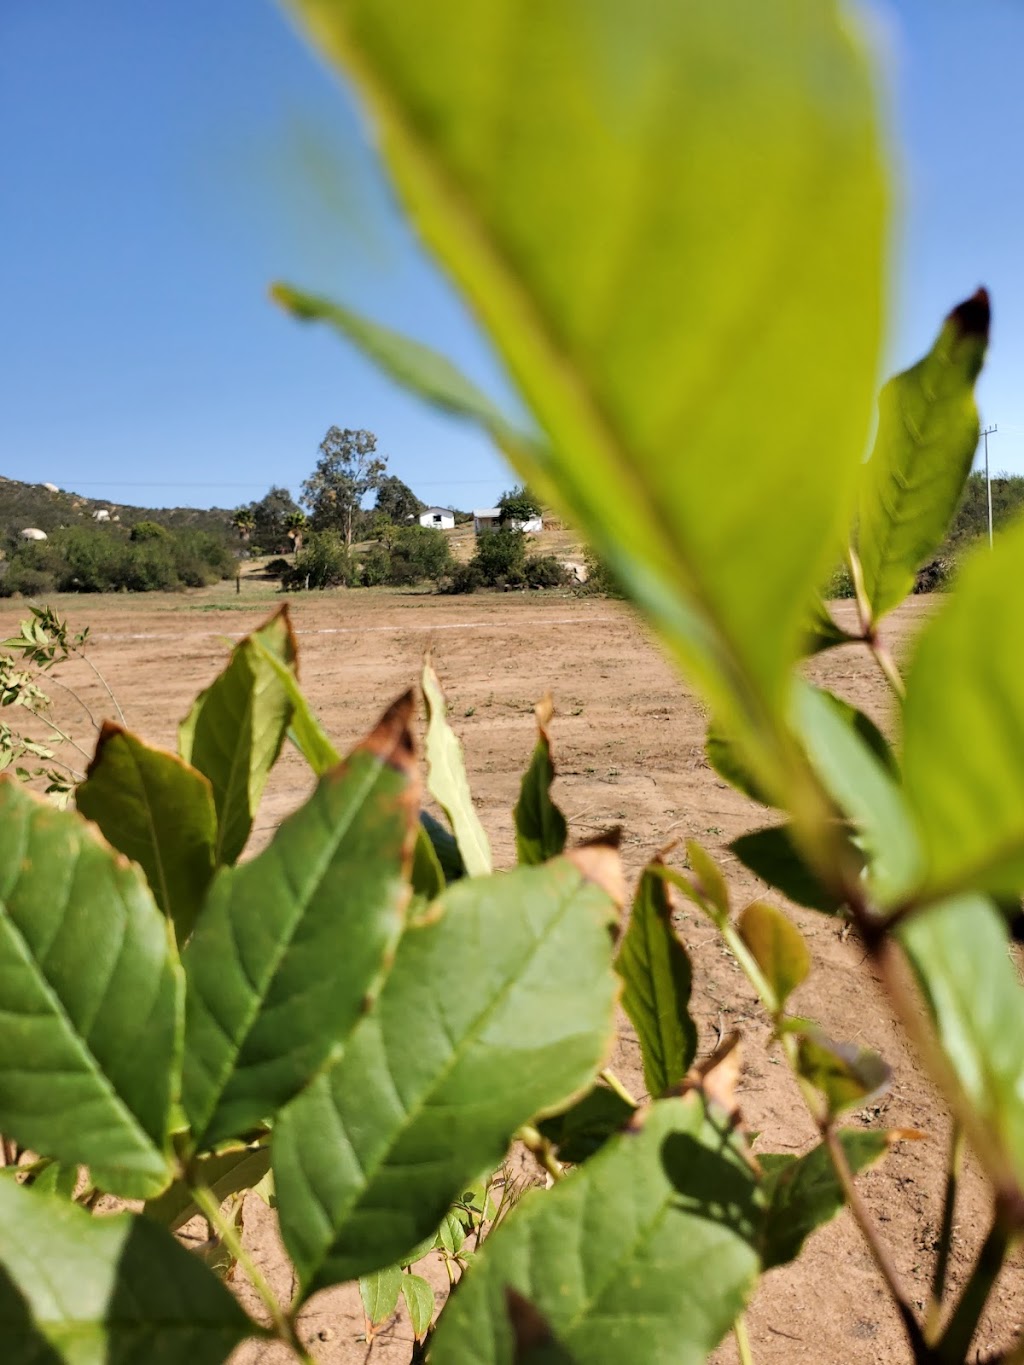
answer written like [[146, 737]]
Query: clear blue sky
[[163, 162]]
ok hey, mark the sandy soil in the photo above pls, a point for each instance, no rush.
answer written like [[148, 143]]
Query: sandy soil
[[629, 750]]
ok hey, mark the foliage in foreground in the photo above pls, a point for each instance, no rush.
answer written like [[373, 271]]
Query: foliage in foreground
[[299, 1009]]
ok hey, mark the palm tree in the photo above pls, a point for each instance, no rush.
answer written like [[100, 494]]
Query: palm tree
[[244, 523], [295, 524]]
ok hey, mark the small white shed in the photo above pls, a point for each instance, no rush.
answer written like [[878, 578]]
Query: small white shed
[[441, 517], [489, 519]]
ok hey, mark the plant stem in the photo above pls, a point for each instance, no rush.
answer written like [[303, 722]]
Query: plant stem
[[956, 1156], [284, 1328], [536, 1143], [887, 664], [106, 686], [875, 1245], [956, 1340], [743, 1350], [52, 678], [613, 1083]]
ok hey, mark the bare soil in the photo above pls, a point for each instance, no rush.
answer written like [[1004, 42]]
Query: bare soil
[[629, 750]]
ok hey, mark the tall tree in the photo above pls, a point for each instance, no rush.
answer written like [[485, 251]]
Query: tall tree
[[348, 468], [397, 501], [243, 521], [295, 523], [271, 515]]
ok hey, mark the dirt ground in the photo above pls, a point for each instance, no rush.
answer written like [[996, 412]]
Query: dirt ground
[[629, 750]]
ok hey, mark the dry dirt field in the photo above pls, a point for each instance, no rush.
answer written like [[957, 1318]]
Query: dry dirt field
[[628, 747]]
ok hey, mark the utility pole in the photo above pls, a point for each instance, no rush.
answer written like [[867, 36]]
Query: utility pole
[[989, 431]]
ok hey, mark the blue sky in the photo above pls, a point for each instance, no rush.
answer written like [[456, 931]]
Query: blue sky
[[162, 163]]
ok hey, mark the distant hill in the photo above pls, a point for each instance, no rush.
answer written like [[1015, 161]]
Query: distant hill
[[33, 504]]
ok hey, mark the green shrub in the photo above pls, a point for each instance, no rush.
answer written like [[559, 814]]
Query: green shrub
[[322, 563], [418, 553], [839, 585], [600, 581], [375, 568], [149, 530], [501, 557], [465, 578], [545, 571], [26, 580]]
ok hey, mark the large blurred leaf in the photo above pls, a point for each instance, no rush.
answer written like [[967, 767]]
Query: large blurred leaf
[[235, 730], [290, 946], [305, 731], [863, 786], [540, 825], [803, 1193], [105, 1291], [846, 1074], [499, 1009], [927, 436], [963, 742], [157, 811], [959, 953], [646, 1253], [91, 994], [656, 971], [582, 1129], [447, 781], [701, 294]]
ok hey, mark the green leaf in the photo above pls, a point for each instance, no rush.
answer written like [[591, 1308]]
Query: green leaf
[[451, 1235], [87, 1291], [224, 1175], [848, 1076], [927, 435], [90, 1030], [56, 1179], [803, 1193], [427, 877], [959, 954], [863, 787], [726, 758], [419, 1299], [772, 855], [581, 279], [657, 980], [583, 1128], [963, 729], [541, 830], [235, 730], [446, 850], [709, 883], [823, 633], [498, 1009], [291, 946], [305, 732], [380, 1293], [777, 946], [157, 811], [646, 1253], [447, 782]]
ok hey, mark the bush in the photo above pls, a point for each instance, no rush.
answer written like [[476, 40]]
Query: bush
[[545, 571], [277, 568], [27, 580], [375, 568], [465, 578], [501, 557], [419, 552], [323, 563], [600, 582], [149, 530], [839, 585]]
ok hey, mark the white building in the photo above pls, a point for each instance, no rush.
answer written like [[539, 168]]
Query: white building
[[441, 517], [489, 519]]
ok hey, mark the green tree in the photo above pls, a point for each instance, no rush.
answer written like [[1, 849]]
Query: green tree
[[348, 468], [517, 505], [270, 517], [501, 556], [397, 501], [419, 552]]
